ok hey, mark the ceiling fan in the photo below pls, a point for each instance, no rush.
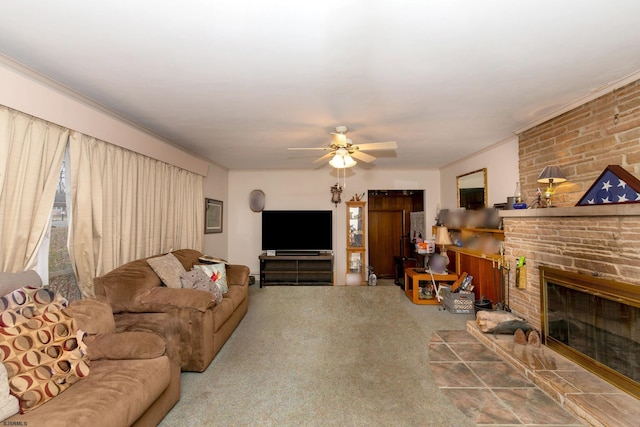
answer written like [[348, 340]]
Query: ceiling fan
[[342, 150]]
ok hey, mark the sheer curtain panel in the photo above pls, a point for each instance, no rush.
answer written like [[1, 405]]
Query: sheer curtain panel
[[31, 154], [127, 206]]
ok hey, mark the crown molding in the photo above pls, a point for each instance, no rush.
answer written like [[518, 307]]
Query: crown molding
[[484, 150], [64, 90], [593, 94]]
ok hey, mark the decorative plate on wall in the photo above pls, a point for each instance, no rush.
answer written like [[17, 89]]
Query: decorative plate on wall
[[256, 200]]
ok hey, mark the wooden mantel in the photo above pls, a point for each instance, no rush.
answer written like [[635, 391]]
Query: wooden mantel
[[620, 209]]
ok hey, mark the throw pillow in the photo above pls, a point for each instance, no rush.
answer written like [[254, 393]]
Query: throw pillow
[[40, 346], [168, 268], [218, 273], [198, 279]]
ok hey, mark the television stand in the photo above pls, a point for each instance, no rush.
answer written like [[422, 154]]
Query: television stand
[[296, 269]]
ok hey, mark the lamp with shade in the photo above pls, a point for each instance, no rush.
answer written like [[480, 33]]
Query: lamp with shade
[[439, 262], [550, 175]]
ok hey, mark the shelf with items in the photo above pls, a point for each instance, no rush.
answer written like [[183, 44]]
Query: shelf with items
[[486, 241]]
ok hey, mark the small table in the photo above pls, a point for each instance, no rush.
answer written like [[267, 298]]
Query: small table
[[413, 277]]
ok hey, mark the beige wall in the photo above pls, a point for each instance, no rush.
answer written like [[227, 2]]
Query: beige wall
[[31, 93], [215, 187], [310, 189], [501, 161]]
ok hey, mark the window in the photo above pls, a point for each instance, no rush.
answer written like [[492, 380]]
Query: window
[[61, 276]]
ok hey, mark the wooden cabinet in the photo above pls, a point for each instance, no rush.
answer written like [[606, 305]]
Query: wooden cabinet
[[356, 243], [479, 258], [487, 276], [296, 270]]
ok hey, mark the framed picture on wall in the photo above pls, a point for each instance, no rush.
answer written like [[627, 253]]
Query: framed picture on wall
[[212, 216]]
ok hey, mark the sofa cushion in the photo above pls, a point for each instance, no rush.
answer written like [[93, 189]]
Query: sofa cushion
[[198, 279], [116, 393], [93, 316], [125, 345], [187, 257], [166, 299], [126, 282], [9, 404], [168, 268], [218, 273], [39, 346]]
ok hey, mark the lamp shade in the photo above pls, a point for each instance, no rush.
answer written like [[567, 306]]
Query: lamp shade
[[442, 236], [551, 174], [342, 161]]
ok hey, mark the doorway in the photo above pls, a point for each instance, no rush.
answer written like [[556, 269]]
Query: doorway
[[389, 213]]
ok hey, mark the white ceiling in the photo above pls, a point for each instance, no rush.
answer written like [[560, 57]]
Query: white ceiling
[[239, 81]]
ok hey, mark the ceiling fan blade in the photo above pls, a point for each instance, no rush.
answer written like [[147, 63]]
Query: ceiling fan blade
[[338, 139], [363, 156], [323, 158], [389, 145], [307, 148]]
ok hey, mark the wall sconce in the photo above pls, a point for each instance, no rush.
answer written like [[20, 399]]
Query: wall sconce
[[550, 175]]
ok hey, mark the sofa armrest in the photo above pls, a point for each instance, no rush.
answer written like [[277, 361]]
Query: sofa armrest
[[163, 300], [238, 275], [125, 345]]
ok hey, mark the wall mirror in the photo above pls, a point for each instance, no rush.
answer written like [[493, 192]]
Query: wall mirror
[[472, 189]]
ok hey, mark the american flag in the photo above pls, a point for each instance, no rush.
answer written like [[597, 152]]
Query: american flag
[[615, 185]]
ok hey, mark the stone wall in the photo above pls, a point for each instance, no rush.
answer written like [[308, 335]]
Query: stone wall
[[583, 142], [606, 246]]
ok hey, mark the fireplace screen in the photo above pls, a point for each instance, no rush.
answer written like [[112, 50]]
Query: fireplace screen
[[594, 322]]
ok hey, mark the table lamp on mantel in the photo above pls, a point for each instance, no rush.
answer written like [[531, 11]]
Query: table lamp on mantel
[[442, 239], [550, 175]]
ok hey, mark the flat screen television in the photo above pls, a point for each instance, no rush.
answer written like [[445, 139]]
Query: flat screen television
[[297, 230]]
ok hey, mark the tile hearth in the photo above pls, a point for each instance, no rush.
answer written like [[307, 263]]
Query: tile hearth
[[497, 382]]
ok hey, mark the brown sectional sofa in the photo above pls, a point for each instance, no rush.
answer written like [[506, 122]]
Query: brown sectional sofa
[[135, 288], [134, 374], [140, 335]]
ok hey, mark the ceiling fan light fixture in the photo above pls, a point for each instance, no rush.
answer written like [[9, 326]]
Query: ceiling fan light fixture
[[342, 161]]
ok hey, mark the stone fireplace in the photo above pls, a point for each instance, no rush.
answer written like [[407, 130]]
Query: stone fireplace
[[588, 258]]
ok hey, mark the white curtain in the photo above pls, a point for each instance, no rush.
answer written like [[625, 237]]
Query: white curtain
[[126, 206], [31, 154]]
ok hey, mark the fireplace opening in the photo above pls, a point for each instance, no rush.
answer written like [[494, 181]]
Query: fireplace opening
[[595, 322]]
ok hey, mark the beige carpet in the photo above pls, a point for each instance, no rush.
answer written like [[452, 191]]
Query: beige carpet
[[324, 356]]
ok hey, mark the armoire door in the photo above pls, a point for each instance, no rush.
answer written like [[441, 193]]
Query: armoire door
[[385, 233]]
